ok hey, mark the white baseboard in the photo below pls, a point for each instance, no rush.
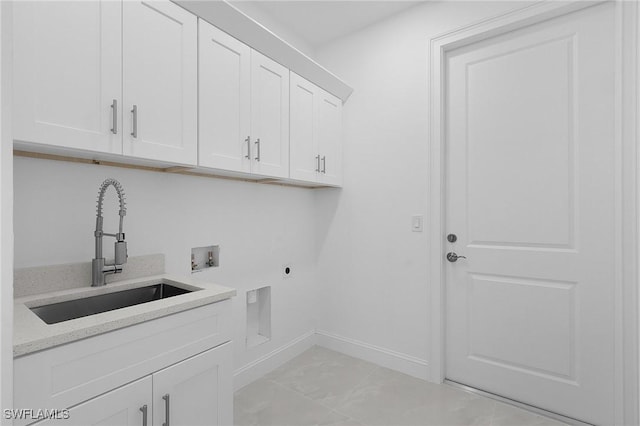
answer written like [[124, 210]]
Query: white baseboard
[[274, 359], [403, 363]]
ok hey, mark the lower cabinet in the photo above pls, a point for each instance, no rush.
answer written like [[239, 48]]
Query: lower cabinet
[[179, 366], [195, 392], [125, 406]]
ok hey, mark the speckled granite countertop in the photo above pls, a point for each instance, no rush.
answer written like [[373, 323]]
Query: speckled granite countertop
[[32, 334]]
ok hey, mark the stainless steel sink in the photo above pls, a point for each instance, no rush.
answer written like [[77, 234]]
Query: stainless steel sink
[[64, 311]]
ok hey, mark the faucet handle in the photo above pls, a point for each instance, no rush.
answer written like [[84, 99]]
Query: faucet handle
[[121, 252]]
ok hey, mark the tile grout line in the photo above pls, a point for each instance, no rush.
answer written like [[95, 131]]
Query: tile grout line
[[493, 419], [298, 392], [318, 403], [350, 392]]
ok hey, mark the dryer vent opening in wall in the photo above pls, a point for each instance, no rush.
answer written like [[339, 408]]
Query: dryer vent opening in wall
[[258, 316]]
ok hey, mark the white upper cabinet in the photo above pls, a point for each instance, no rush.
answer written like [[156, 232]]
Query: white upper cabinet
[[269, 117], [67, 74], [107, 76], [160, 81], [330, 138], [224, 100], [305, 154], [149, 80], [316, 132], [243, 107]]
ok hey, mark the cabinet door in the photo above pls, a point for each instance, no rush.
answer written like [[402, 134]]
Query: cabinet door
[[160, 81], [197, 391], [303, 141], [67, 74], [122, 407], [269, 117], [224, 100], [330, 138]]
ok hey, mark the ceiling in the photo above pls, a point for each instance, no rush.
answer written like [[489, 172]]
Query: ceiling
[[319, 22]]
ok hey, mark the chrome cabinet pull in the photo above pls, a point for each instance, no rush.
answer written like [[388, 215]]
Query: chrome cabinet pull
[[248, 141], [324, 164], [144, 414], [318, 163], [258, 145], [166, 410], [134, 126], [114, 117]]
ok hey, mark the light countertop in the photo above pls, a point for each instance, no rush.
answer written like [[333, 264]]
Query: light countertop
[[32, 334]]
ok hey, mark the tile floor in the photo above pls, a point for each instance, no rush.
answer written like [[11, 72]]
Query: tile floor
[[323, 387]]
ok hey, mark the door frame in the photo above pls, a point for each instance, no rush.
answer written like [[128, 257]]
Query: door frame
[[627, 15]]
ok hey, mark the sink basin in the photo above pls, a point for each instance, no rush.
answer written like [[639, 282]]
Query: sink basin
[[64, 311]]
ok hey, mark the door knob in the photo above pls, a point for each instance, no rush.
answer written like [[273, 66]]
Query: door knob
[[453, 257]]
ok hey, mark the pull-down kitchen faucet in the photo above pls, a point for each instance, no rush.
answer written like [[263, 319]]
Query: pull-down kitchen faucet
[[99, 267]]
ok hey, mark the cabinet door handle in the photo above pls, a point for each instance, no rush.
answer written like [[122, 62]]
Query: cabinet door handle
[[248, 141], [114, 117], [166, 410], [134, 122], [258, 144], [318, 163], [324, 164], [144, 414]]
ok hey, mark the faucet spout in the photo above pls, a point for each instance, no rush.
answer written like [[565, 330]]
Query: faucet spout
[[99, 266]]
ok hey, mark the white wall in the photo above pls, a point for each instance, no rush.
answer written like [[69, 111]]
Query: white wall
[[6, 214], [258, 227], [373, 279], [371, 270]]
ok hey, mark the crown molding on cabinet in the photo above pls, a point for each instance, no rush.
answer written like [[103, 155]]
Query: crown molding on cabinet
[[232, 21]]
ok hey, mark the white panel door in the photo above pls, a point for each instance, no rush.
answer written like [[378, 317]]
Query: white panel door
[[330, 138], [67, 74], [160, 58], [269, 117], [224, 98], [124, 406], [303, 125], [197, 391], [530, 195]]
